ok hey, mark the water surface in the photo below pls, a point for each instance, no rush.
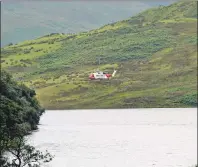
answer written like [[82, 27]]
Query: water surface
[[119, 138]]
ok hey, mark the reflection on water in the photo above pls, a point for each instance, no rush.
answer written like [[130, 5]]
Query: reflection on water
[[119, 138]]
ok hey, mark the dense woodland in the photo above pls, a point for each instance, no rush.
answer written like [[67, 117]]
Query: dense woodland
[[19, 115]]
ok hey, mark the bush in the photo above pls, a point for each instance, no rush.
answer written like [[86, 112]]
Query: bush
[[190, 99]]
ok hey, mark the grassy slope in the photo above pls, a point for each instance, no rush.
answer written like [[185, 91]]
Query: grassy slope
[[154, 52]]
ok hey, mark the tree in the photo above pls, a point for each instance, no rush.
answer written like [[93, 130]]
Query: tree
[[10, 44], [24, 154], [19, 114]]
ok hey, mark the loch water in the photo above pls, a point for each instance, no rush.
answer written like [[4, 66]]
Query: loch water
[[119, 138]]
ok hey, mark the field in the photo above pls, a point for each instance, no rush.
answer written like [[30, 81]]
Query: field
[[154, 52]]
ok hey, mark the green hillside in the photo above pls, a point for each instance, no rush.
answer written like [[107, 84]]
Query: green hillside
[[155, 54]]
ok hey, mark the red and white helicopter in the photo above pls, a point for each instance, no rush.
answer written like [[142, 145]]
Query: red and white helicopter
[[100, 75]]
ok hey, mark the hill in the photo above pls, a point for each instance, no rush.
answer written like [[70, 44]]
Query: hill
[[155, 53], [28, 20]]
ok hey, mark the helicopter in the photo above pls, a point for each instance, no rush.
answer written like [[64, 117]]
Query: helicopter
[[100, 75]]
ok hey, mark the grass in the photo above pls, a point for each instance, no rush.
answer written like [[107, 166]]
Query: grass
[[155, 54]]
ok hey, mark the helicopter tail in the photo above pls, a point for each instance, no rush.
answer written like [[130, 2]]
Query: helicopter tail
[[114, 73]]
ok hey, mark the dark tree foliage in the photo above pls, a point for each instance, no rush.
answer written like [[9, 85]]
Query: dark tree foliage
[[19, 114]]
